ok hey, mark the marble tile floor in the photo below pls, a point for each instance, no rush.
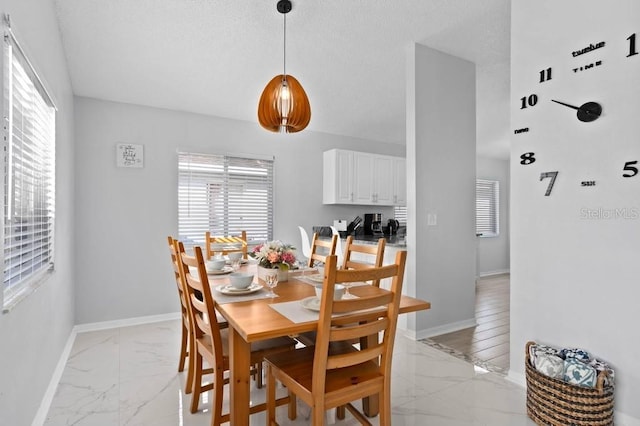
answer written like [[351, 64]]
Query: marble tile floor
[[128, 376]]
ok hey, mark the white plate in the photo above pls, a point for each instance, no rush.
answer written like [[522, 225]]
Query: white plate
[[319, 278], [242, 261], [311, 303], [229, 289], [225, 270]]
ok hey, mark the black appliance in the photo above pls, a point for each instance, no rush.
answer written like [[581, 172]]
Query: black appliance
[[354, 226], [372, 223], [391, 228]]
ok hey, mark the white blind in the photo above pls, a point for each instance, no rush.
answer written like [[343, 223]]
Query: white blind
[[224, 195], [29, 172], [400, 214], [487, 208]]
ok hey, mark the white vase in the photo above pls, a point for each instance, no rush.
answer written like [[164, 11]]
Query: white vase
[[283, 274]]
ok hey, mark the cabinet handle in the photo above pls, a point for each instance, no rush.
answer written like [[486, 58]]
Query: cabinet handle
[[352, 197]]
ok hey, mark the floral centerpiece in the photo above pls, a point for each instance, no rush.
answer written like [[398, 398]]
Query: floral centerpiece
[[275, 255]]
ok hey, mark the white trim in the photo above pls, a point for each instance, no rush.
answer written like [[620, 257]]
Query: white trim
[[105, 325], [45, 403], [444, 329], [497, 272], [517, 378]]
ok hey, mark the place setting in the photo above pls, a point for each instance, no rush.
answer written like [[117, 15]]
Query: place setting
[[241, 287]]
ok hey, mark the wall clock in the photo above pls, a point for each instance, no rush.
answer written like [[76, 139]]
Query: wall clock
[[580, 94]]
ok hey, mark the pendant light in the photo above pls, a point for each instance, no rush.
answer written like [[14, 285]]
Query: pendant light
[[284, 106]]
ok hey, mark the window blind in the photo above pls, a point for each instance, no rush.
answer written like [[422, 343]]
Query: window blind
[[487, 208], [224, 195], [29, 173]]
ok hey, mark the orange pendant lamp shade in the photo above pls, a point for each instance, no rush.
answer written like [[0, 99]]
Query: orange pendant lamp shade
[[284, 106]]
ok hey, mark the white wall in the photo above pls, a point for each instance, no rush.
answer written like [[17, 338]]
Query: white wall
[[125, 215], [35, 332], [493, 252], [574, 276], [441, 173]]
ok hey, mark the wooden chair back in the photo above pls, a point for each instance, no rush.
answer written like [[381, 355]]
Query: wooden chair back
[[176, 272], [225, 245], [320, 249], [375, 252]]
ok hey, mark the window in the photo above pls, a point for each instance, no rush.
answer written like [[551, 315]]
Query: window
[[487, 208], [224, 195], [400, 214], [29, 175]]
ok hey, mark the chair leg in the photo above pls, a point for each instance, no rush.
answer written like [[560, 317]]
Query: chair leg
[[293, 407], [190, 365], [340, 412], [183, 347], [385, 409], [197, 381], [217, 397], [271, 397], [259, 368]]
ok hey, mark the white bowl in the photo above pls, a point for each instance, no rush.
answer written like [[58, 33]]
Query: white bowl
[[235, 255], [240, 280], [215, 264], [338, 291]]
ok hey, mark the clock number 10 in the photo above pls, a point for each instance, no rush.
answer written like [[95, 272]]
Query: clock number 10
[[530, 100], [551, 175]]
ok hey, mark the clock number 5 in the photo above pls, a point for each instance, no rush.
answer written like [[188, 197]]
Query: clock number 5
[[629, 166], [551, 175]]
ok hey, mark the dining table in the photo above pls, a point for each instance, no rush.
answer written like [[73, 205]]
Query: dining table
[[252, 319]]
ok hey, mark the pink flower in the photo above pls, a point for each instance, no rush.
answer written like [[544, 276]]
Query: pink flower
[[288, 257], [273, 257]]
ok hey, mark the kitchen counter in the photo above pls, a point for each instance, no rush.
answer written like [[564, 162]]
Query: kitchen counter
[[392, 240]]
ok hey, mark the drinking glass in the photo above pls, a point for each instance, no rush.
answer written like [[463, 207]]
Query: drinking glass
[[235, 264], [271, 279]]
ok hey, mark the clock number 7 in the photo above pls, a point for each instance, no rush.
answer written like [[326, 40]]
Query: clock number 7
[[551, 175], [629, 166]]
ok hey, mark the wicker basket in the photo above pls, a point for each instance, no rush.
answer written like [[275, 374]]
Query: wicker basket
[[557, 403]]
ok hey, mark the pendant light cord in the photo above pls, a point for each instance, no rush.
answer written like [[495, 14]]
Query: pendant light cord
[[284, 48]]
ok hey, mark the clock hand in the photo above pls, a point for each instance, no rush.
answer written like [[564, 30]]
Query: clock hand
[[567, 105], [587, 112]]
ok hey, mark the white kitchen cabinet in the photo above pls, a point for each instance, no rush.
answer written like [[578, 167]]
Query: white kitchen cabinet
[[337, 177], [351, 177], [399, 181]]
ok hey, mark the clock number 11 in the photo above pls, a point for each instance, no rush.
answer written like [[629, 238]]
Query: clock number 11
[[551, 175]]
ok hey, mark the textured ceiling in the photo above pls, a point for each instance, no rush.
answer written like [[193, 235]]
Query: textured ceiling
[[215, 57]]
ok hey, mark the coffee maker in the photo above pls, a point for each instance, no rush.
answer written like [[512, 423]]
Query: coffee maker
[[372, 223]]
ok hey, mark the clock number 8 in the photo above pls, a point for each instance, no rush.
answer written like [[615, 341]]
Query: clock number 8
[[527, 158], [530, 100]]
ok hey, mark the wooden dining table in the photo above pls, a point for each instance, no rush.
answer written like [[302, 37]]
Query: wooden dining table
[[254, 320]]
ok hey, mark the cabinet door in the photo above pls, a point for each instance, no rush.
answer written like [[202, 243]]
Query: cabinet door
[[362, 178], [400, 182], [337, 179], [383, 181]]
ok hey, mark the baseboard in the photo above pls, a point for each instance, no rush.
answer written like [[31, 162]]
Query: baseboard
[[444, 329], [492, 273], [105, 325], [45, 403], [41, 414]]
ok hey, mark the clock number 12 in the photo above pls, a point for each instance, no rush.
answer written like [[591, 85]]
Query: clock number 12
[[551, 175]]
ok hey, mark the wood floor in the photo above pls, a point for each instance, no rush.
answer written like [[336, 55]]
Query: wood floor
[[489, 340]]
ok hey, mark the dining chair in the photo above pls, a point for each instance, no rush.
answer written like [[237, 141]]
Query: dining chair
[[339, 251], [320, 249], [305, 243], [331, 374], [211, 342], [374, 252], [185, 335], [225, 245]]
